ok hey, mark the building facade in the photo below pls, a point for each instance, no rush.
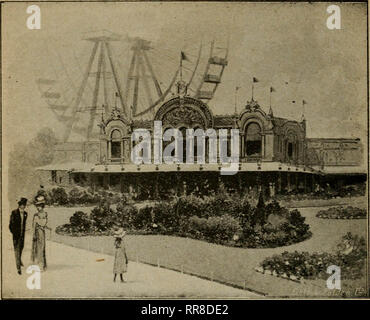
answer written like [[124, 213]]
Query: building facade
[[273, 152]]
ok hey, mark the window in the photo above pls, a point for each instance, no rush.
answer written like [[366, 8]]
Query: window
[[290, 150], [116, 144], [54, 176], [253, 140], [291, 144], [167, 143]]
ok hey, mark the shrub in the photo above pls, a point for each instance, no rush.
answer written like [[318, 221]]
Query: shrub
[[350, 256], [74, 196], [80, 221], [342, 213], [214, 229], [79, 224], [220, 219], [124, 215], [58, 196], [221, 229], [166, 217], [143, 219], [102, 216], [187, 206], [196, 226]]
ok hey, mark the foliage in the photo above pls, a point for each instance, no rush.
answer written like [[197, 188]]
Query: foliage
[[350, 257], [79, 224], [80, 196], [221, 219], [58, 196], [23, 160], [102, 216], [342, 213], [218, 230]]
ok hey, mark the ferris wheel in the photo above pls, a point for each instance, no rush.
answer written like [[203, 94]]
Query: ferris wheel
[[130, 74]]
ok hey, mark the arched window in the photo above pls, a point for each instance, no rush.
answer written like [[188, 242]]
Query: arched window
[[165, 144], [253, 140], [291, 147], [116, 145], [183, 135]]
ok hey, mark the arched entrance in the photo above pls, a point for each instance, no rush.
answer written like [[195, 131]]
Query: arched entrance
[[291, 147], [116, 146], [253, 140]]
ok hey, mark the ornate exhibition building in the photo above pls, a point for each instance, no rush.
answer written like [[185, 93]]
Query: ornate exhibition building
[[274, 153]]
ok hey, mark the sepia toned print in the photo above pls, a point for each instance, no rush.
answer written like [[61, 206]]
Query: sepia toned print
[[197, 150]]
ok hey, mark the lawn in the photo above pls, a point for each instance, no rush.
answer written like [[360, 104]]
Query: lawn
[[234, 266]]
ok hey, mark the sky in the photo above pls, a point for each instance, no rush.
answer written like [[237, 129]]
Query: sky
[[287, 46]]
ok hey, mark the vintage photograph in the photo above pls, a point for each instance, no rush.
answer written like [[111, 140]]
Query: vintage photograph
[[184, 150]]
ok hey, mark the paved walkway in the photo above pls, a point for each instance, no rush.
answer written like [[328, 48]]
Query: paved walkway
[[78, 273]]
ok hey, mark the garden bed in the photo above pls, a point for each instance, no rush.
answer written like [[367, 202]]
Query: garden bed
[[79, 196], [342, 213], [350, 257], [221, 219]]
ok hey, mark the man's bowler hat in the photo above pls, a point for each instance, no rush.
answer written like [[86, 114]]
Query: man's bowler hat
[[22, 202]]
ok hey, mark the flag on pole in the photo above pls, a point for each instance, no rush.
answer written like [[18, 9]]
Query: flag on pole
[[272, 89], [304, 102], [184, 56], [236, 91], [255, 80]]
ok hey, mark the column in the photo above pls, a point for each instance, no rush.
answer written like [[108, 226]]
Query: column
[[156, 190], [109, 146], [296, 181], [288, 182], [305, 183], [121, 182], [279, 182], [122, 155], [105, 180], [126, 150], [242, 153], [239, 182], [312, 183]]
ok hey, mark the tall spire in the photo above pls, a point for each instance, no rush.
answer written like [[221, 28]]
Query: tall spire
[[303, 110], [271, 114], [254, 80]]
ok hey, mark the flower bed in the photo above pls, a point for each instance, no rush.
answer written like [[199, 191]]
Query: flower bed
[[350, 257], [79, 196], [222, 219], [342, 213]]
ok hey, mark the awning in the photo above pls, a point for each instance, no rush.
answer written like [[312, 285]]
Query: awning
[[343, 170], [183, 167], [67, 166]]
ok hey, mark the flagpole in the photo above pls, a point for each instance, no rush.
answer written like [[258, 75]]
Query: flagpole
[[181, 66], [252, 88], [270, 96], [236, 91]]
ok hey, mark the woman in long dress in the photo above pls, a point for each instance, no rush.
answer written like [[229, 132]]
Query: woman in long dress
[[120, 257], [39, 224]]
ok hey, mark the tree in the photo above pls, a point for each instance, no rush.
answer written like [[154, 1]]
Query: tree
[[23, 160], [261, 210]]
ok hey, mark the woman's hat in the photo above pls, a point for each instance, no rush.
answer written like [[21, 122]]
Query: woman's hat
[[22, 202], [40, 200], [120, 233]]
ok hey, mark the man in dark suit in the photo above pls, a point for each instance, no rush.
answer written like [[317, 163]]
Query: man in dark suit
[[17, 227]]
